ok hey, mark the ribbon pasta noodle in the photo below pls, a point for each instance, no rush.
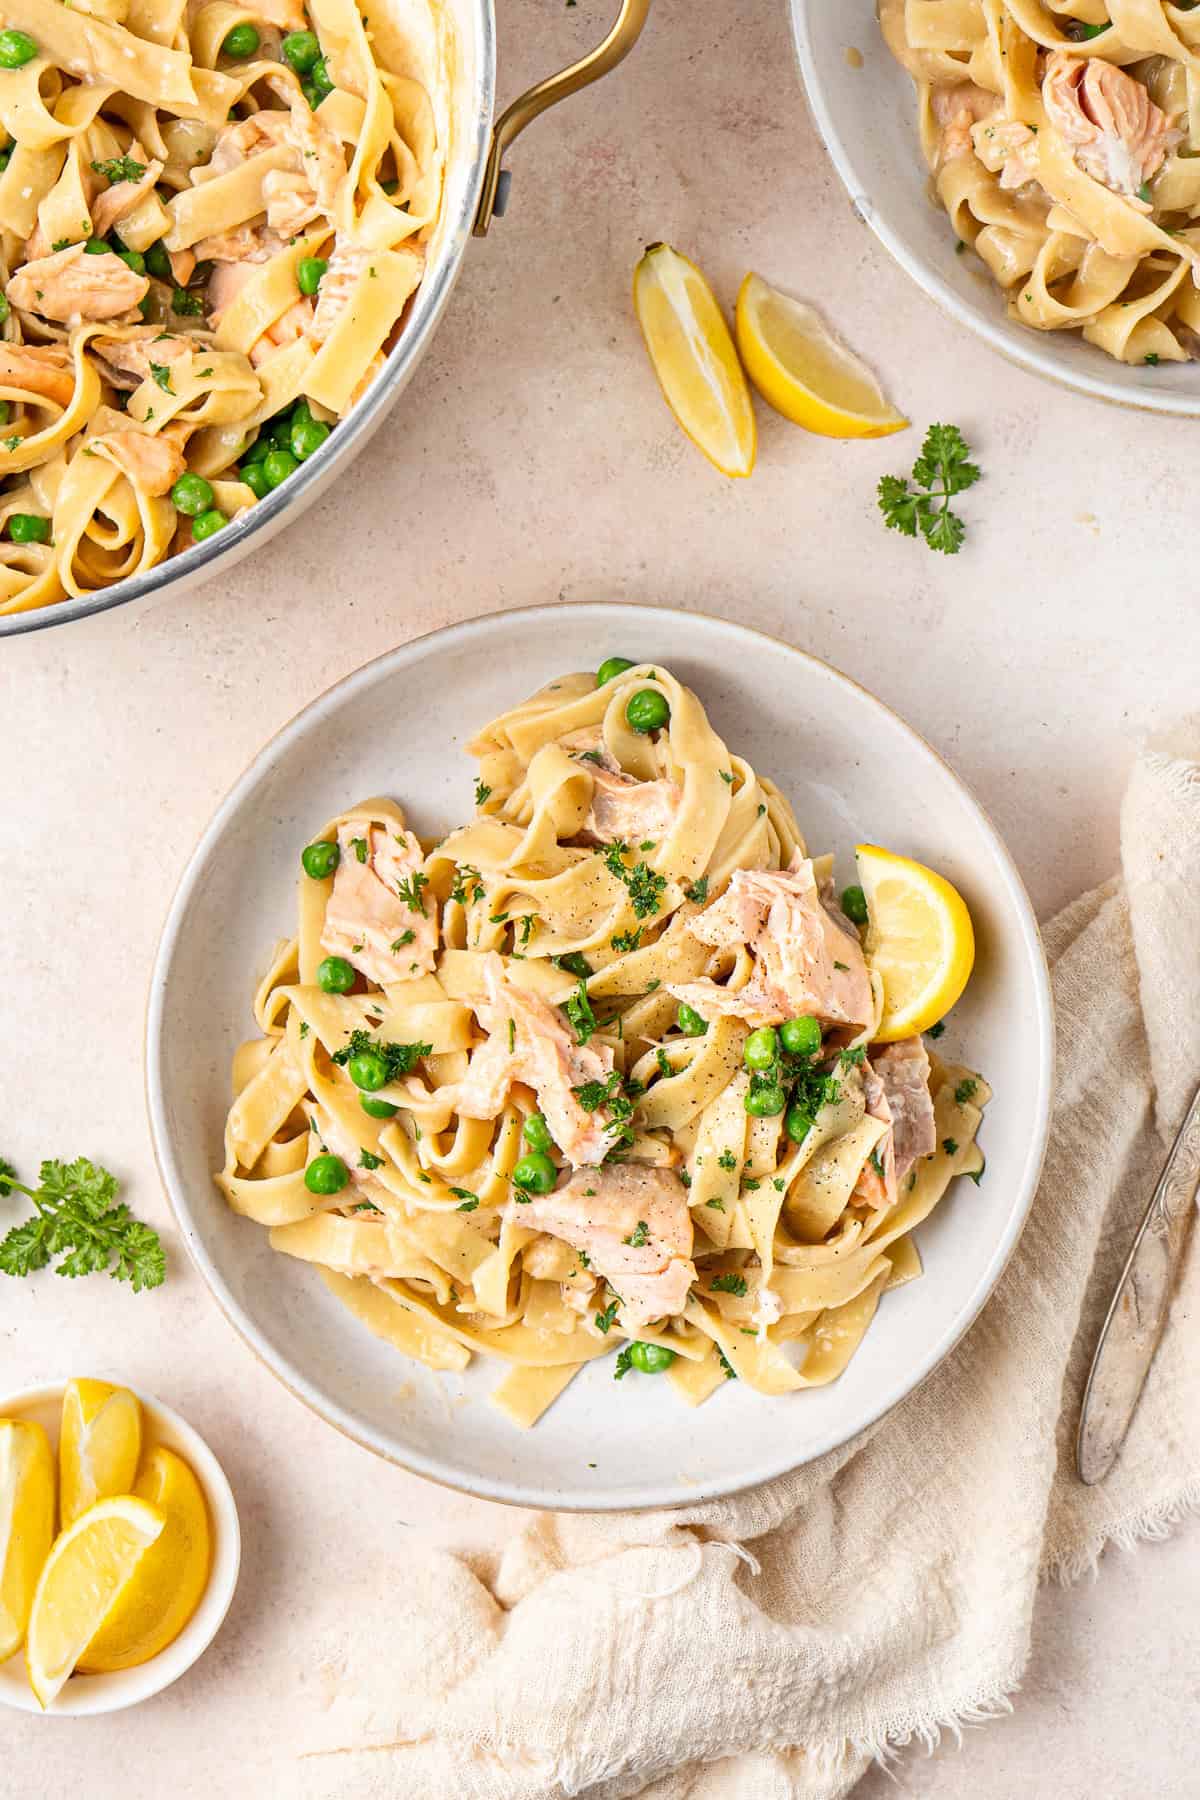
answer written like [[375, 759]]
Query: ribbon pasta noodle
[[1063, 138], [597, 1070], [212, 219]]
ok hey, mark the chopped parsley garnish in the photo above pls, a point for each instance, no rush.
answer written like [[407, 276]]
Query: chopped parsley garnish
[[624, 1363], [728, 1284], [942, 470], [512, 1036], [877, 1164], [726, 776], [730, 1371], [78, 1219], [717, 1205], [397, 944], [627, 940], [162, 374], [935, 1031], [665, 1067], [592, 1095], [579, 1010], [965, 1091], [366, 1206], [727, 1160], [843, 967], [401, 1059], [592, 756], [779, 1184], [409, 890], [481, 792], [304, 1028], [604, 1320], [639, 1235], [584, 1259], [120, 168], [467, 877], [645, 887], [753, 1186], [466, 1205], [853, 1059], [186, 305], [950, 1146], [368, 1160], [359, 847], [526, 927], [696, 891]]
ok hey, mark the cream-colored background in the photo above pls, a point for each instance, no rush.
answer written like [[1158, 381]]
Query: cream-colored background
[[532, 460]]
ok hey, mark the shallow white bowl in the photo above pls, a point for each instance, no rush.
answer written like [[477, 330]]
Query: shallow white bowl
[[868, 119], [854, 772], [84, 1695]]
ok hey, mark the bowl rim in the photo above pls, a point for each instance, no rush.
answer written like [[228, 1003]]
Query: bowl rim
[[433, 1468], [202, 561], [91, 1696], [1010, 344]]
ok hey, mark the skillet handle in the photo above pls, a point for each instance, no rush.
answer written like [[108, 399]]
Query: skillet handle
[[615, 48]]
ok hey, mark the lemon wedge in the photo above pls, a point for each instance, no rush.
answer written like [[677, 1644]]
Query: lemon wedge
[[804, 371], [152, 1609], [26, 1523], [694, 358], [98, 1446], [90, 1565], [919, 940]]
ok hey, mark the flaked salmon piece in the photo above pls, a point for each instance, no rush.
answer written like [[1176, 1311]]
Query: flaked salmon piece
[[241, 244], [153, 463], [288, 328], [1008, 148], [346, 267], [126, 361], [876, 1185], [631, 810], [631, 1221], [957, 110], [1117, 134], [807, 955], [291, 202], [318, 162], [368, 920], [113, 203], [43, 369], [588, 744], [532, 1042], [183, 266], [903, 1069], [71, 285]]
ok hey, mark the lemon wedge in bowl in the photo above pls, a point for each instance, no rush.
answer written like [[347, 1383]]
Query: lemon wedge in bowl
[[91, 1564], [694, 358], [804, 371], [153, 1608], [99, 1445], [26, 1523], [919, 940]]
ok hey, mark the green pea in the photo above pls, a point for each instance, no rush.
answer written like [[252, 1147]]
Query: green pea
[[301, 49], [764, 1102], [241, 42], [797, 1124], [312, 94], [28, 528], [800, 1037], [256, 451], [192, 495], [377, 1109], [309, 271], [207, 524], [535, 1173], [761, 1048], [326, 1175], [277, 465], [279, 429], [575, 963], [134, 259], [96, 247], [320, 77], [536, 1132], [335, 975], [690, 1020], [16, 49], [610, 668], [369, 1070], [307, 436], [854, 905], [320, 859], [647, 711], [158, 262], [3, 308], [255, 478], [651, 1359]]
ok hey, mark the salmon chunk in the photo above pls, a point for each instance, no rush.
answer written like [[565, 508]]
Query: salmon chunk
[[896, 1084], [532, 1042], [1117, 134], [368, 920], [807, 955], [115, 202], [153, 463], [126, 360], [71, 285], [630, 810], [38, 369], [632, 1223]]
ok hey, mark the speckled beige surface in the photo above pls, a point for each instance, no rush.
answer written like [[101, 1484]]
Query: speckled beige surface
[[531, 459]]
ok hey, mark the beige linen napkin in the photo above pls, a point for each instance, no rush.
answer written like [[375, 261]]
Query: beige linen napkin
[[766, 1647]]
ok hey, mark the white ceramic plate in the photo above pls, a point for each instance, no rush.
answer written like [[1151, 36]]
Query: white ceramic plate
[[868, 119], [854, 772], [84, 1695]]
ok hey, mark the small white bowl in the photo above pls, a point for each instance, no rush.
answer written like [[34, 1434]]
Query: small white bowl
[[85, 1695], [867, 116]]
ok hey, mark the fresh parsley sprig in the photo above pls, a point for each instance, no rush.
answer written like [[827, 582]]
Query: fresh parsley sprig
[[942, 470], [79, 1220]]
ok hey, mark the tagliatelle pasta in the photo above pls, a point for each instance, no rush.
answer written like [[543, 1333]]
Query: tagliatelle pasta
[[212, 219], [597, 1071], [1064, 141]]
